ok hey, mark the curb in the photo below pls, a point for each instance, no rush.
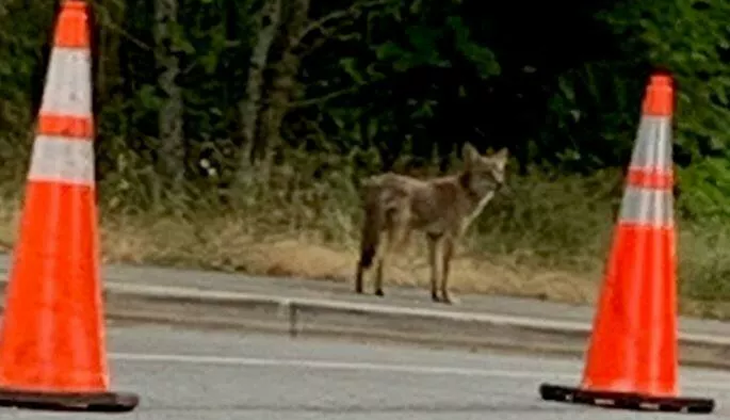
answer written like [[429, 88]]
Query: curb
[[306, 317], [302, 317]]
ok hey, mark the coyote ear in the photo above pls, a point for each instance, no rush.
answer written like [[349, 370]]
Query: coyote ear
[[500, 158], [469, 153]]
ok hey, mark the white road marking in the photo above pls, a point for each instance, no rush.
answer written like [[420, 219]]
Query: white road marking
[[321, 364], [542, 376]]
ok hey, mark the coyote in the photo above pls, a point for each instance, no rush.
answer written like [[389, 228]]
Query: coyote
[[442, 208]]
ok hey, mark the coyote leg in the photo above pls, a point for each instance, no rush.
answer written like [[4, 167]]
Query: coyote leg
[[434, 245], [447, 254]]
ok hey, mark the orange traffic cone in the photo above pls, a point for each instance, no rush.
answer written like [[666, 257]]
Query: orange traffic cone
[[52, 342], [631, 361]]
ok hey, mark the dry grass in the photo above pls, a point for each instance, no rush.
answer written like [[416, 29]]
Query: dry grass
[[225, 245], [547, 239], [252, 243], [222, 247]]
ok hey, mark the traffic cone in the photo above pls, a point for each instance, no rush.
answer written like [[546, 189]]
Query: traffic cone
[[52, 338], [631, 360]]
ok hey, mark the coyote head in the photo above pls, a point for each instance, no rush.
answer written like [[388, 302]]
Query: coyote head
[[483, 175]]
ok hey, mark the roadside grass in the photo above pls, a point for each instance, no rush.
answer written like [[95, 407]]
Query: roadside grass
[[547, 237]]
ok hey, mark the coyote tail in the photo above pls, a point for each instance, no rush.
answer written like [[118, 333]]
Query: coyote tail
[[371, 225]]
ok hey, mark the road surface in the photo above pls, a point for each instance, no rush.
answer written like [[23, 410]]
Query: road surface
[[184, 374]]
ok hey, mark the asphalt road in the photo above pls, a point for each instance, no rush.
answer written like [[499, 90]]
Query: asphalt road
[[182, 374]]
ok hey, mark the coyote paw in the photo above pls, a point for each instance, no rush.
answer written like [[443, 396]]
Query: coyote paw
[[449, 300], [379, 292]]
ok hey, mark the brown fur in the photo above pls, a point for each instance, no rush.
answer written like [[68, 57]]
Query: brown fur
[[442, 208]]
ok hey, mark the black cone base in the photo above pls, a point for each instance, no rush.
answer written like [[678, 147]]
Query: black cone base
[[625, 400], [62, 401]]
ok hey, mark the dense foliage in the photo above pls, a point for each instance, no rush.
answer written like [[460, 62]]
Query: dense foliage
[[195, 96], [557, 83]]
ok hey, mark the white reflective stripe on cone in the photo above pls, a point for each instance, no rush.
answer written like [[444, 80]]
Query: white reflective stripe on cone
[[68, 83], [654, 143], [63, 160], [647, 206]]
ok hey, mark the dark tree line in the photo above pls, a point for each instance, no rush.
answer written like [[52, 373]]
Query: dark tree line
[[186, 86]]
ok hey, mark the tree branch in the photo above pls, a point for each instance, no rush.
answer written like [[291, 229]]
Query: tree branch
[[327, 97], [104, 20], [351, 11]]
